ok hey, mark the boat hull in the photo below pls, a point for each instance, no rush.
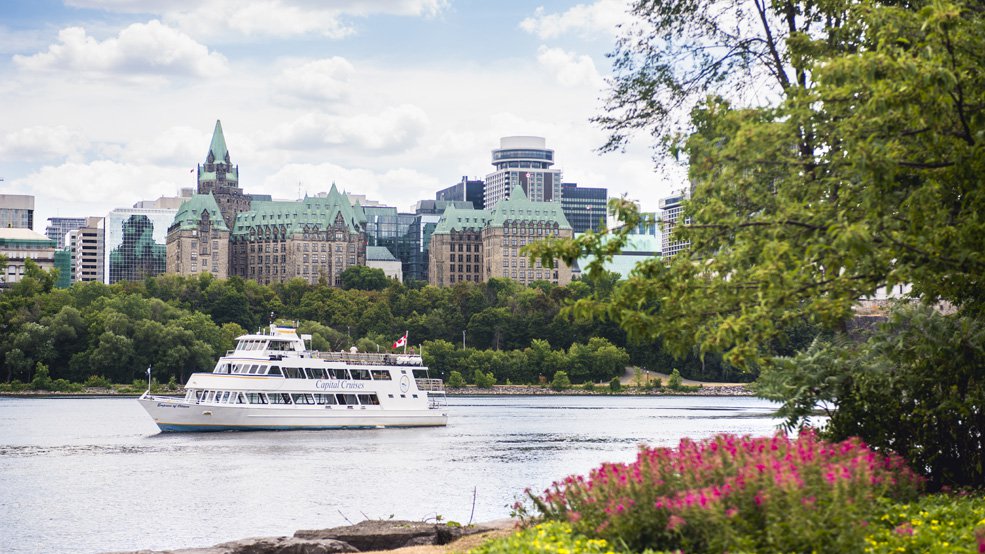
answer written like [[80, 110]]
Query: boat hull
[[178, 415]]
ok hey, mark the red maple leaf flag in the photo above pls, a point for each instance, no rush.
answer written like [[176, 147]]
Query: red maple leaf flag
[[402, 341]]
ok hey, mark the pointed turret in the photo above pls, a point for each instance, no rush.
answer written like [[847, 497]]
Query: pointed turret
[[517, 193], [217, 150]]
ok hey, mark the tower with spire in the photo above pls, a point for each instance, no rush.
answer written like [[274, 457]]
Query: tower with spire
[[220, 178]]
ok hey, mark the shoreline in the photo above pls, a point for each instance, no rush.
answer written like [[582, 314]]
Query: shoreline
[[731, 389]]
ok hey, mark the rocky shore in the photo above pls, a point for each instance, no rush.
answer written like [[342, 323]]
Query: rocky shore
[[600, 390], [404, 537]]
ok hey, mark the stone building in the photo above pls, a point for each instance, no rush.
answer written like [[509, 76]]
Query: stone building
[[198, 239], [455, 252], [19, 245], [220, 178], [477, 245], [314, 238]]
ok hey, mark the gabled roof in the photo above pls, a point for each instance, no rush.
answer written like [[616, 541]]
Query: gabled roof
[[190, 213], [379, 254], [458, 219], [316, 213], [520, 208]]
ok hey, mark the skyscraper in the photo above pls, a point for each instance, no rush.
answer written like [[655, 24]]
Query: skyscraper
[[525, 162], [16, 211], [467, 190], [670, 213], [59, 226], [584, 207]]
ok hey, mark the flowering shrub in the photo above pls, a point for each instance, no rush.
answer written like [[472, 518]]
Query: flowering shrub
[[935, 523], [733, 493], [547, 538]]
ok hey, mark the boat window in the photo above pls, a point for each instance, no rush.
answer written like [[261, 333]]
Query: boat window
[[209, 397], [325, 399], [241, 345], [240, 398], [225, 397], [293, 373], [360, 374], [338, 373], [262, 345], [369, 399], [303, 399], [316, 372], [381, 375], [256, 398], [279, 398], [198, 396], [274, 370], [348, 399]]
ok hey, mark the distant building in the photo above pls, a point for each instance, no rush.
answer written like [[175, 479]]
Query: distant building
[[525, 162], [476, 245], [198, 239], [166, 202], [438, 207], [219, 177], [380, 257], [19, 245], [58, 227], [87, 249], [314, 238], [671, 208], [467, 190], [136, 243], [584, 207], [16, 211]]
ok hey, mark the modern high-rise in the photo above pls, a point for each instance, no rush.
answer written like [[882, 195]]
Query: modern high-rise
[[16, 211], [136, 243], [59, 226], [584, 207], [87, 247], [525, 162], [220, 178], [467, 190], [671, 209]]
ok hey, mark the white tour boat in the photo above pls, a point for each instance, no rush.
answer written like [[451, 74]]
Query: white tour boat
[[273, 382]]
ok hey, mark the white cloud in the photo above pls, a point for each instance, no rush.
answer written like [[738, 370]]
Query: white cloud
[[150, 48], [42, 143], [212, 18], [103, 181], [587, 20], [325, 80], [392, 130], [568, 68], [315, 178]]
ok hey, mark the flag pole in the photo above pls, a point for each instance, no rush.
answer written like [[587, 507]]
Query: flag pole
[[405, 341]]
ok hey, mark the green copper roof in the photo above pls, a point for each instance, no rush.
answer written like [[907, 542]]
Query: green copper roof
[[315, 212], [458, 219], [520, 208], [379, 254], [218, 147], [190, 213]]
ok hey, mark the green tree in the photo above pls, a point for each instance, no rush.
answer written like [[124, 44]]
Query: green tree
[[560, 381], [455, 380], [361, 277]]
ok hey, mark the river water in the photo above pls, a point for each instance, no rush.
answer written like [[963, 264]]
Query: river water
[[94, 475]]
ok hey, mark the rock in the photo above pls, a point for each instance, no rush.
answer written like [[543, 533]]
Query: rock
[[391, 534], [266, 545]]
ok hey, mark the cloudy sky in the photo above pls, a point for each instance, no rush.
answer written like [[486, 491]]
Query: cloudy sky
[[108, 102]]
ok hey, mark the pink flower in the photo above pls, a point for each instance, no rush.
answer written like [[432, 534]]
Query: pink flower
[[674, 522]]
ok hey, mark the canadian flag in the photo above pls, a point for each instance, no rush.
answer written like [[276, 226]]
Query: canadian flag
[[402, 341]]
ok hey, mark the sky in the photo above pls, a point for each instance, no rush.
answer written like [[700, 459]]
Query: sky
[[104, 103]]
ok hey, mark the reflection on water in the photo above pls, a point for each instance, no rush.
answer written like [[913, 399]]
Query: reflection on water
[[92, 475]]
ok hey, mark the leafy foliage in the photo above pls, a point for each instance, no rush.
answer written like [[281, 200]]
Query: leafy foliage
[[934, 523], [898, 391], [547, 538]]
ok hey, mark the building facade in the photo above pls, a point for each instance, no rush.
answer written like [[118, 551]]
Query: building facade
[[316, 238], [467, 190], [379, 257], [220, 178], [19, 245], [136, 243], [198, 239], [58, 227], [585, 207], [477, 245], [88, 250], [16, 211], [524, 162], [671, 209]]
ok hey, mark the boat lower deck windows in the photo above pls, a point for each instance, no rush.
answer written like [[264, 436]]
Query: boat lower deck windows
[[303, 398], [348, 399], [279, 398], [256, 398], [338, 374], [369, 399], [316, 372], [360, 374], [326, 399], [293, 373], [381, 375], [274, 370]]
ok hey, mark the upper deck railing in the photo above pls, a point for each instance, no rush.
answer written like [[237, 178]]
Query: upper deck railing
[[369, 358], [430, 385]]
